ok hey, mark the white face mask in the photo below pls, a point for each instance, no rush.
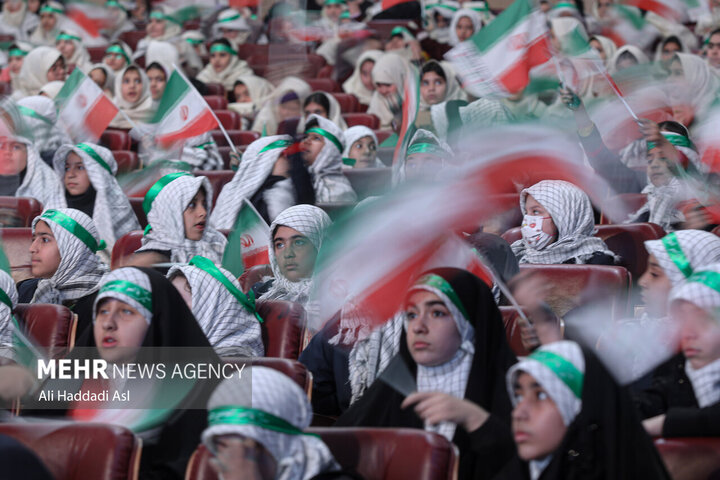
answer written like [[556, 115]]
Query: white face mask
[[533, 234]]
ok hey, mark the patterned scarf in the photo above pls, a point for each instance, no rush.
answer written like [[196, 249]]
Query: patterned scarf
[[8, 293], [326, 171], [681, 253]]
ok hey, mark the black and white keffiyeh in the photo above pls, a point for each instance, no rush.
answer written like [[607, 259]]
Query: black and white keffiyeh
[[112, 214], [8, 294], [136, 278], [230, 327], [661, 205], [328, 180], [167, 226], [80, 269], [263, 397], [256, 166], [681, 253], [40, 181], [572, 213]]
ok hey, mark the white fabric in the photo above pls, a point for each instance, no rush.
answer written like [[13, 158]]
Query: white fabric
[[51, 89], [235, 69], [258, 88], [34, 70], [172, 32], [132, 275], [390, 68], [298, 457], [452, 89], [40, 36], [46, 135], [80, 269], [705, 382], [700, 86], [334, 115], [80, 57], [138, 111], [229, 327], [329, 182], [698, 293], [268, 118], [353, 134], [572, 214], [608, 46], [354, 84], [109, 85], [40, 181], [168, 226], [19, 23], [700, 248], [641, 58], [464, 13], [7, 285], [661, 204]]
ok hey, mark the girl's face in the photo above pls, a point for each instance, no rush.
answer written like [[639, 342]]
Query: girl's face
[[76, 178], [44, 252], [13, 156], [119, 330], [656, 286], [183, 287], [422, 165], [195, 217], [158, 81], [33, 5], [242, 94], [67, 48], [48, 21], [699, 333], [15, 64], [155, 28], [603, 7], [229, 33], [464, 29], [386, 89], [533, 207], [56, 73], [115, 61], [219, 61], [537, 425], [366, 74], [657, 170], [13, 6], [668, 50], [364, 152], [315, 108], [333, 11], [98, 76], [432, 335], [295, 253], [131, 87], [312, 144], [598, 47], [290, 109], [432, 88], [395, 43]]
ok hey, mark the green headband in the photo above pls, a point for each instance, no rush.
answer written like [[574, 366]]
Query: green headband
[[565, 5], [345, 14], [95, 156], [350, 162], [211, 269], [276, 144], [113, 3], [334, 2], [159, 185], [229, 19], [72, 226], [136, 292], [708, 278], [194, 41], [16, 52], [67, 36], [400, 31], [5, 298], [29, 112], [221, 47], [119, 50], [252, 417], [674, 251], [675, 139], [438, 282], [430, 148], [326, 134], [49, 9], [562, 368]]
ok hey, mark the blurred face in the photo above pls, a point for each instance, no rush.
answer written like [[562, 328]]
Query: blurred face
[[155, 28], [364, 152], [656, 286], [598, 47], [291, 109], [242, 94], [115, 61], [98, 76], [333, 11], [131, 87], [67, 48], [537, 425], [294, 253], [395, 43], [626, 62], [44, 252], [13, 157], [315, 108], [432, 88], [76, 178], [15, 64], [603, 8], [311, 147], [464, 29], [365, 74], [386, 89], [533, 207], [47, 21], [219, 61], [658, 171], [33, 5], [713, 50], [195, 217], [422, 165], [432, 335], [14, 6], [229, 33], [56, 73], [119, 330], [675, 71], [243, 450], [157, 82], [699, 333], [183, 287], [668, 50]]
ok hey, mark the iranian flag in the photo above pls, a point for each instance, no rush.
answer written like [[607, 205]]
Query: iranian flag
[[84, 110], [410, 107], [248, 243], [182, 113], [90, 17], [671, 9], [496, 61]]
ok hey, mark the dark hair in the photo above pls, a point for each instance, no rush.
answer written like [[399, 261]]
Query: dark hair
[[627, 55], [433, 66], [717, 30], [675, 127], [156, 66], [672, 39], [312, 123], [320, 98]]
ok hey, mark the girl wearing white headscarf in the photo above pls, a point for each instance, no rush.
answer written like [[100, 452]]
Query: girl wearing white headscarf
[[326, 167], [40, 118], [390, 69], [252, 406], [69, 43], [38, 69], [232, 26], [258, 89], [163, 26], [226, 315], [331, 106], [681, 253], [165, 204], [363, 90], [627, 55], [607, 48], [111, 210], [363, 157], [291, 89], [118, 56], [570, 210], [694, 93], [16, 57], [140, 109], [108, 73], [8, 301], [471, 15], [52, 15], [34, 178], [120, 22], [17, 20], [452, 87], [234, 68]]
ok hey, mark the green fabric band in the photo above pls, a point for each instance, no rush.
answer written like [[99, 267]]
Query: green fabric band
[[674, 251], [565, 5], [113, 3], [221, 47], [276, 144], [345, 14], [205, 145], [119, 50], [67, 36], [49, 9], [677, 140], [132, 290], [211, 269], [562, 368], [334, 2], [326, 134], [75, 228], [5, 298], [229, 19], [29, 112], [350, 162], [429, 148], [400, 31], [252, 417], [16, 52], [193, 41], [95, 156], [708, 278], [436, 281], [154, 191]]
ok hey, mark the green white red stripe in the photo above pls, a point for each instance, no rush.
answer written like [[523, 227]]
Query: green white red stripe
[[248, 243], [410, 107], [90, 17], [83, 109], [670, 9]]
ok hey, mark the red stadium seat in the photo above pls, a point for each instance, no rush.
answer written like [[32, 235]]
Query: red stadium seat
[[136, 204], [690, 458], [225, 154], [127, 160], [325, 72], [16, 244], [215, 89], [288, 126], [368, 182], [283, 328], [348, 102], [96, 53], [229, 119], [115, 139], [373, 453], [630, 201], [80, 451], [246, 50], [18, 211], [292, 368], [367, 119], [216, 102], [124, 247], [217, 178], [53, 327], [238, 137], [327, 85], [383, 135], [302, 65], [133, 37], [253, 275]]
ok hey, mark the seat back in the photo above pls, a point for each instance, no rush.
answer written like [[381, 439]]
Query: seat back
[[512, 331], [137, 205], [283, 328], [18, 211], [628, 201], [297, 372], [133, 37], [369, 120], [215, 89], [690, 458], [237, 137], [217, 178], [80, 451], [96, 53], [16, 243], [383, 135], [373, 453], [127, 160], [369, 181], [253, 275], [115, 139], [216, 102], [229, 119], [125, 247], [53, 327], [327, 85], [347, 101]]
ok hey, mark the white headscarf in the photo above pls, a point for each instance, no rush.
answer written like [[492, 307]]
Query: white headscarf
[[353, 134], [310, 221], [464, 13], [33, 74], [258, 88], [172, 28], [452, 89], [140, 110], [109, 85], [661, 205], [40, 181], [681, 253], [638, 54], [40, 117], [236, 68], [16, 20], [268, 119], [112, 213], [608, 46], [81, 57], [298, 456], [334, 114], [163, 53], [7, 287], [80, 268], [15, 77], [700, 86], [231, 19], [329, 182], [354, 84], [572, 213], [390, 68], [257, 164], [232, 329], [165, 219], [40, 36], [51, 89]]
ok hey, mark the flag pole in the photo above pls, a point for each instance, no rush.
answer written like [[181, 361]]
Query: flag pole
[[615, 89]]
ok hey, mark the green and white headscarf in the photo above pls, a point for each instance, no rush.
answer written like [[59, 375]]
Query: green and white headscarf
[[681, 253], [8, 301], [128, 285], [329, 182]]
